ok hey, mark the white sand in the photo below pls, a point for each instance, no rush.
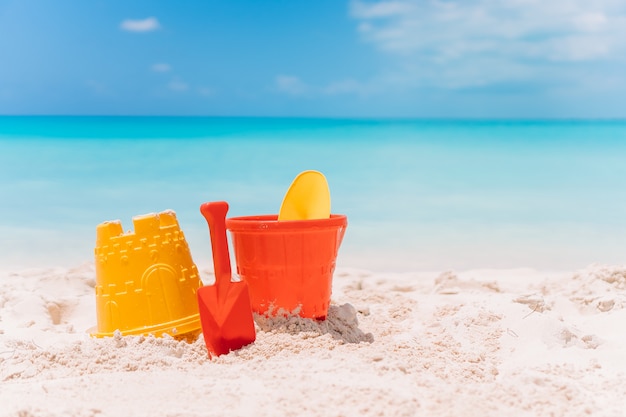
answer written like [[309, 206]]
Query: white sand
[[477, 343]]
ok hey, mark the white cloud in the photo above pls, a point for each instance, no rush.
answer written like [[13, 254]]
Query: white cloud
[[161, 67], [523, 27], [591, 21], [148, 24], [458, 42], [290, 85], [178, 85]]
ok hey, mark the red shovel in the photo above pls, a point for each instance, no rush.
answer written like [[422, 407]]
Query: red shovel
[[225, 311]]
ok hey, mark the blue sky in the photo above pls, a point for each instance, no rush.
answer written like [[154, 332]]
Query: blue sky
[[400, 58]]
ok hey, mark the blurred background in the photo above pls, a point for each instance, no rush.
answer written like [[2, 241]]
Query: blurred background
[[454, 135]]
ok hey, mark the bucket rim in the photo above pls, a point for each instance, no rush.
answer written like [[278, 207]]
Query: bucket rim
[[270, 222]]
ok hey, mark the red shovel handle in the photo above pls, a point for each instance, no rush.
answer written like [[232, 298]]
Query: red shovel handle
[[215, 215]]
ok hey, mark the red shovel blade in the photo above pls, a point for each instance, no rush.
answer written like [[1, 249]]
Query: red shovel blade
[[225, 312], [227, 322]]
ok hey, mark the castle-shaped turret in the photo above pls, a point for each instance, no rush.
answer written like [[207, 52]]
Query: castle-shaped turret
[[146, 280]]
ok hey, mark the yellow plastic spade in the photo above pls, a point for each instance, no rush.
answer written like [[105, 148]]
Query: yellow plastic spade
[[307, 198]]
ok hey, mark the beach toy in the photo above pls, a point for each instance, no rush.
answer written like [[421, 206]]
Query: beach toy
[[307, 198], [288, 265], [146, 281], [225, 313]]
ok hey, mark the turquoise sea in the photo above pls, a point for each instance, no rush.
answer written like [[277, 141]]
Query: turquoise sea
[[419, 194]]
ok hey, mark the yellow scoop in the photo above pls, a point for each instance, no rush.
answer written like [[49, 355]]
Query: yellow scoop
[[307, 198]]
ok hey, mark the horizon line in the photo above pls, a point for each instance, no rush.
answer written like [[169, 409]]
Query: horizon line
[[337, 118]]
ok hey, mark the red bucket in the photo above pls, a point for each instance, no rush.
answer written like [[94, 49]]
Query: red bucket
[[288, 265]]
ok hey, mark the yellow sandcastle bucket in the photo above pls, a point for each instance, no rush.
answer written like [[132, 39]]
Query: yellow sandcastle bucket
[[146, 280]]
